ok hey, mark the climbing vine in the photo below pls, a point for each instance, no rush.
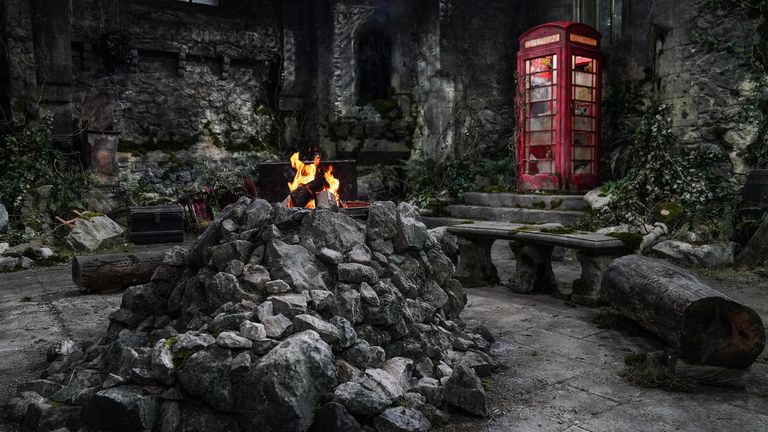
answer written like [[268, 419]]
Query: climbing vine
[[669, 182]]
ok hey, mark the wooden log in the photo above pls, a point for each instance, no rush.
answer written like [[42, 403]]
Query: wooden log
[[301, 196], [702, 325], [112, 272], [326, 200]]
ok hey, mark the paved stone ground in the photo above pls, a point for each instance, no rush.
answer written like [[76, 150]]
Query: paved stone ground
[[560, 371]]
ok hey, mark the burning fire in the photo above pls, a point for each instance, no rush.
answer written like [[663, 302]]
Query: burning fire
[[305, 176]]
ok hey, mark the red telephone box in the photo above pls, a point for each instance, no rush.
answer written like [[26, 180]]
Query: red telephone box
[[559, 67]]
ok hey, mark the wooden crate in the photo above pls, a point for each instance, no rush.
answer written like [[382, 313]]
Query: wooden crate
[[157, 224]]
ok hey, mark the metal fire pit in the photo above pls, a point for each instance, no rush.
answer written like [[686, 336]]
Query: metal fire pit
[[275, 176], [356, 209]]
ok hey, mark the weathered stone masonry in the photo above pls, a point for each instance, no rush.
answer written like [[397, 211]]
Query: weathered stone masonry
[[202, 81]]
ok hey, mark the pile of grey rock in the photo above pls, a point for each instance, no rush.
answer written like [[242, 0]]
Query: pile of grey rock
[[24, 255], [279, 319]]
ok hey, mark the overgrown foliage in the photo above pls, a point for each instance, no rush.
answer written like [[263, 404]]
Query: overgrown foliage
[[663, 174], [428, 179], [32, 159]]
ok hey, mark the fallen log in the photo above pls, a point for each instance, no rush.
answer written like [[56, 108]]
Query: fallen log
[[112, 272], [702, 325]]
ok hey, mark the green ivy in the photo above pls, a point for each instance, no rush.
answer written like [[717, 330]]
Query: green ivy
[[665, 175], [428, 178], [31, 159]]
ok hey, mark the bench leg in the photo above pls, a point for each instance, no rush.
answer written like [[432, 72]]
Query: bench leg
[[533, 271], [586, 289], [475, 267]]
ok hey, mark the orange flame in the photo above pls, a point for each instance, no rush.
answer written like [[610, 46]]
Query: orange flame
[[306, 173]]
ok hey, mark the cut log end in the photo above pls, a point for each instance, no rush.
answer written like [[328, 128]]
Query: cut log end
[[702, 325], [720, 332]]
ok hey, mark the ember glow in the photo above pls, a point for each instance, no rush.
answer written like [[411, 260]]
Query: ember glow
[[306, 176]]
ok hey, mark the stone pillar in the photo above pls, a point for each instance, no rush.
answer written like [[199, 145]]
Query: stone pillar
[[20, 50], [586, 289], [533, 270], [475, 267], [53, 52]]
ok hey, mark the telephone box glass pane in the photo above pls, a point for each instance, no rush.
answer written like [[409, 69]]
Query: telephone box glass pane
[[584, 92], [584, 79], [583, 167], [540, 123], [540, 138], [583, 123], [583, 139], [541, 93], [541, 107]]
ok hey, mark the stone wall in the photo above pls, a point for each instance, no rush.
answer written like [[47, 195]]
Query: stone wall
[[214, 83], [198, 83], [193, 71]]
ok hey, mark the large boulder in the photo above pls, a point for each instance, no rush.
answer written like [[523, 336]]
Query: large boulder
[[382, 220], [402, 419], [3, 218], [360, 400], [332, 230], [712, 255], [281, 391], [91, 234], [464, 390], [135, 410], [411, 232], [755, 253], [334, 417], [597, 198], [206, 375], [294, 265]]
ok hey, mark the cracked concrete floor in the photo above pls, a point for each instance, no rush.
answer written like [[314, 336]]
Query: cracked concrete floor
[[560, 371]]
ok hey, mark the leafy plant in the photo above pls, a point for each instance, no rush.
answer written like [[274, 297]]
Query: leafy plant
[[31, 159], [663, 171], [429, 179]]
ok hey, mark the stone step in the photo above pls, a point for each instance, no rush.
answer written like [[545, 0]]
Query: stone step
[[530, 201], [437, 221], [515, 215]]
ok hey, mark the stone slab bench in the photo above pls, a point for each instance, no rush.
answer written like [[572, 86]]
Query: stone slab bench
[[533, 253]]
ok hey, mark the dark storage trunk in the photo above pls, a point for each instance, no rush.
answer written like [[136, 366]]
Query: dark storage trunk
[[159, 224], [755, 192]]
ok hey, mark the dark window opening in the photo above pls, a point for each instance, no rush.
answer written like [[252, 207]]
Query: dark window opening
[[604, 15], [203, 2], [374, 66]]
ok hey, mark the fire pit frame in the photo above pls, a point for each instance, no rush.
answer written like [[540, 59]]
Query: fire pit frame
[[275, 176]]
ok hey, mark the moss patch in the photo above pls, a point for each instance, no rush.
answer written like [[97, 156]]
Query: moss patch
[[558, 230], [89, 215], [644, 371], [631, 240], [170, 342], [181, 357], [555, 203], [669, 212]]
